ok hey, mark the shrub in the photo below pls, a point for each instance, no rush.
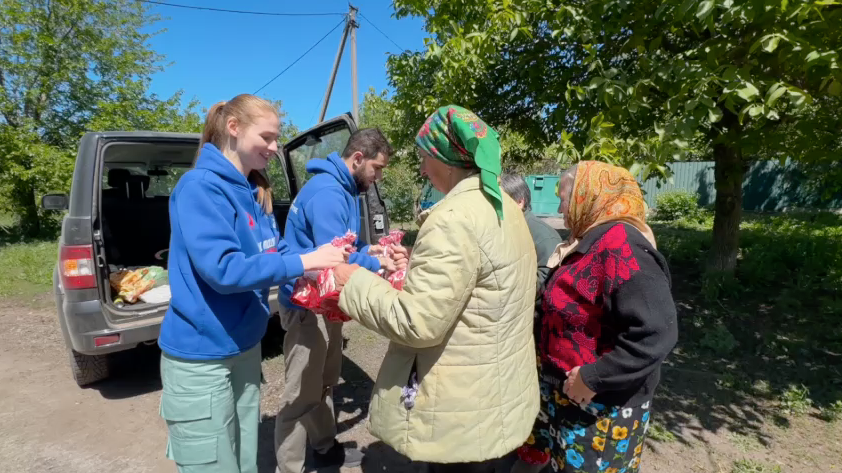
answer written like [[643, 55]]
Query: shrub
[[833, 412], [677, 205], [795, 400], [719, 340]]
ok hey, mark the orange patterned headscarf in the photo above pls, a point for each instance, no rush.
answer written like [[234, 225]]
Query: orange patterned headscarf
[[602, 193]]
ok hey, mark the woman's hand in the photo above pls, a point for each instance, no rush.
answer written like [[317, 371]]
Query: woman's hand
[[400, 255], [387, 263], [342, 274], [575, 389], [326, 256]]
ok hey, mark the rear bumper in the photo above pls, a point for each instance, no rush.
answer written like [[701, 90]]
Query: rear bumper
[[85, 322]]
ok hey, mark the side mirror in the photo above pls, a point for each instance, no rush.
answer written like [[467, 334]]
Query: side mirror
[[54, 202]]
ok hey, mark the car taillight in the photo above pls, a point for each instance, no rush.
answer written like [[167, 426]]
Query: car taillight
[[76, 267]]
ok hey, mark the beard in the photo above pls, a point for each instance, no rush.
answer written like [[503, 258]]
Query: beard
[[360, 181]]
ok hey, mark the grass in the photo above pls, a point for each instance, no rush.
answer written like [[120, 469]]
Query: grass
[[796, 401], [770, 332], [751, 466], [26, 266], [832, 413], [745, 443], [658, 433], [759, 358]]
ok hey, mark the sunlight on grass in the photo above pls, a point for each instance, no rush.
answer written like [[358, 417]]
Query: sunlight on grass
[[659, 433], [26, 268], [751, 466]]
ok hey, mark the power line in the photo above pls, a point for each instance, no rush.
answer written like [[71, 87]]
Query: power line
[[300, 57], [315, 112], [381, 32], [246, 12]]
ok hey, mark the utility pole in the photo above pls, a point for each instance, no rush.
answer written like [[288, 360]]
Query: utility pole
[[352, 19], [351, 26], [374, 207]]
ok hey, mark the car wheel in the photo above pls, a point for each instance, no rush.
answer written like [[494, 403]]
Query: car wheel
[[88, 369]]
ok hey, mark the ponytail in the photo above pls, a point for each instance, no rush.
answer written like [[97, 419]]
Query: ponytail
[[214, 130], [264, 191], [243, 108]]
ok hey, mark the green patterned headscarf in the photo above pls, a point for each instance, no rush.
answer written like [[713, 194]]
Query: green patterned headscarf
[[458, 138]]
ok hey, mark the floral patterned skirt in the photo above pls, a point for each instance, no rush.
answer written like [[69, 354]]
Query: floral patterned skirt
[[596, 439]]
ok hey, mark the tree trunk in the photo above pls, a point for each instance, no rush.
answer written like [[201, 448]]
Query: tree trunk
[[28, 211], [729, 171]]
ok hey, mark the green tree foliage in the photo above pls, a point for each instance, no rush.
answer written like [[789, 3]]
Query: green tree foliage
[[276, 170], [66, 67], [640, 83], [402, 183]]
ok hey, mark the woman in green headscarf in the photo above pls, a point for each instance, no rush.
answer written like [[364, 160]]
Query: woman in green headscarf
[[457, 388]]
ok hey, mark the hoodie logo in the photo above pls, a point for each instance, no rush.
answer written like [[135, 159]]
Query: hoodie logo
[[268, 245], [251, 220]]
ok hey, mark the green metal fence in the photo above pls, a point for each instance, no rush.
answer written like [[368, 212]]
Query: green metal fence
[[768, 186]]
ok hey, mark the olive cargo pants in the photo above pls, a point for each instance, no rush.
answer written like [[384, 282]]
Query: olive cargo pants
[[312, 365]]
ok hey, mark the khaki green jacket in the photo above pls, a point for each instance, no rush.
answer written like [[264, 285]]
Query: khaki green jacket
[[464, 318]]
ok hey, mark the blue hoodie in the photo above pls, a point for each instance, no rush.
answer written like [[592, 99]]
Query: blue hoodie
[[326, 207], [225, 254]]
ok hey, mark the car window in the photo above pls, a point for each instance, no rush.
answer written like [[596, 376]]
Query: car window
[[162, 186], [136, 170], [278, 178], [333, 141], [162, 181]]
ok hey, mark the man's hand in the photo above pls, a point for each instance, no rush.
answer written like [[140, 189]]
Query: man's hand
[[400, 256], [575, 388], [342, 274]]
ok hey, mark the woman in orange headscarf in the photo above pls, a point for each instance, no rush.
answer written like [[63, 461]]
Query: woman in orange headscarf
[[606, 323]]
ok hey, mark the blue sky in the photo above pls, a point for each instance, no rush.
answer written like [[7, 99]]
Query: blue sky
[[215, 56]]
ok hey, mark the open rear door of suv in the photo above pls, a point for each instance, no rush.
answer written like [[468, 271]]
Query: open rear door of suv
[[318, 142]]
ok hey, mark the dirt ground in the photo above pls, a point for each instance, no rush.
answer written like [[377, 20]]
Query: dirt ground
[[48, 424]]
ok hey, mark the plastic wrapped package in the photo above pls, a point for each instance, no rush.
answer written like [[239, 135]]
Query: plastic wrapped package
[[157, 295], [395, 278], [130, 284], [316, 290]]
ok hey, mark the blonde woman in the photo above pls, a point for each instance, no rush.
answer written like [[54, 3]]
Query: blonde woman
[[225, 254]]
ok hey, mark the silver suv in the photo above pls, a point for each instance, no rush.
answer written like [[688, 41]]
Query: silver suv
[[118, 219]]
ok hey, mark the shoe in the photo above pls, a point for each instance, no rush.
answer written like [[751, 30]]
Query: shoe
[[338, 455]]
